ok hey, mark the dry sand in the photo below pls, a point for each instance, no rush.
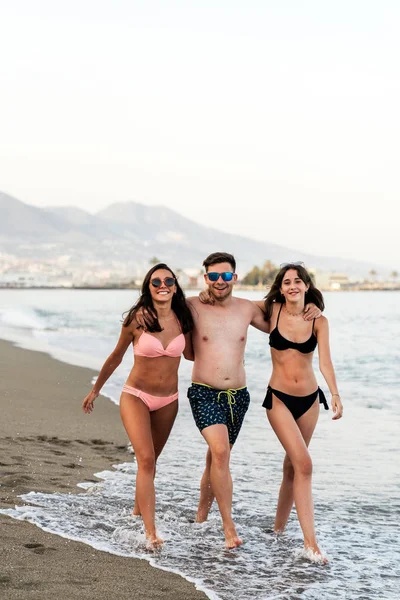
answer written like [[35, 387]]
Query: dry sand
[[47, 444]]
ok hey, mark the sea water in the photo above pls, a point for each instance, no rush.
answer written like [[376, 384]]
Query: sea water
[[356, 466]]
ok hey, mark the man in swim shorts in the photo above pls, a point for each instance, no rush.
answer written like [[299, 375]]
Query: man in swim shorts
[[218, 395]]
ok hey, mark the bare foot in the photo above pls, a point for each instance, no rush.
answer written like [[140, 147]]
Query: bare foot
[[314, 554], [154, 542], [232, 540]]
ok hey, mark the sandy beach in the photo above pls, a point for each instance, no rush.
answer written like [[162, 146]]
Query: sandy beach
[[47, 444]]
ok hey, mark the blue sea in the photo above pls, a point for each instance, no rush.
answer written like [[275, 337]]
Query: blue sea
[[356, 460]]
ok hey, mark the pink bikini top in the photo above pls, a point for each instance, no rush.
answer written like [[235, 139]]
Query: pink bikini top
[[150, 346]]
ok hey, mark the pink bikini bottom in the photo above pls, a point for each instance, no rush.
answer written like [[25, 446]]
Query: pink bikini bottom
[[152, 402]]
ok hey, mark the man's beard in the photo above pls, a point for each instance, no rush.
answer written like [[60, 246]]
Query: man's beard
[[225, 293]]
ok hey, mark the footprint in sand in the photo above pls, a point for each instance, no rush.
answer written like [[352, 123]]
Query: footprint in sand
[[18, 460], [59, 441], [13, 479], [53, 440], [38, 548]]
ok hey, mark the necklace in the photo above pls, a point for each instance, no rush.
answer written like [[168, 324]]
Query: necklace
[[292, 314]]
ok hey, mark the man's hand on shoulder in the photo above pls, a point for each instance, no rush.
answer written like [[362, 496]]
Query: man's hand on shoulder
[[311, 311]]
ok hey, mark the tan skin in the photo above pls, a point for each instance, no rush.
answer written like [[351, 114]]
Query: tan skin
[[147, 431], [293, 374], [219, 339]]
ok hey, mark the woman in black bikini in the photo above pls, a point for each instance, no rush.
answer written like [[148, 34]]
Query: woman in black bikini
[[293, 395]]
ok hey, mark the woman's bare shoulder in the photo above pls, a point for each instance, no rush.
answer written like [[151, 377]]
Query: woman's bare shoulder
[[320, 323]]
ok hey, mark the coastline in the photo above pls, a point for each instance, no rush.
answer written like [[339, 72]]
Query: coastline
[[367, 287], [47, 444]]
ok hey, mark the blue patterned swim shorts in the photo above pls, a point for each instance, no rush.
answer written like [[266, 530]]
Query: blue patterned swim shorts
[[219, 407]]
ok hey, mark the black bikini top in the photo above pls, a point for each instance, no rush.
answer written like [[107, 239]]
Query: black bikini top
[[277, 341]]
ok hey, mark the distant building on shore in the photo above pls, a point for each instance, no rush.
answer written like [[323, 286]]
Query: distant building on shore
[[331, 281], [23, 280]]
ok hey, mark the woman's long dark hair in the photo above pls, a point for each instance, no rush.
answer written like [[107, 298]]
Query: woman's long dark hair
[[274, 295], [148, 313]]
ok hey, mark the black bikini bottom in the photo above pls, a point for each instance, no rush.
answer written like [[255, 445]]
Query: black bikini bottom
[[298, 405]]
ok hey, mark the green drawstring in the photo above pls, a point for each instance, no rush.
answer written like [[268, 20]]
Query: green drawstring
[[230, 393], [231, 399]]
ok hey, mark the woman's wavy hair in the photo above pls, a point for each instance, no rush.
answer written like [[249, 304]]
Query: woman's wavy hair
[[148, 314], [274, 295]]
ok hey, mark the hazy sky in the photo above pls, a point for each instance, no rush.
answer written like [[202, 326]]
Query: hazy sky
[[274, 119]]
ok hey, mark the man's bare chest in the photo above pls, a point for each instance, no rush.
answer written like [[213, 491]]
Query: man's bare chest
[[217, 327]]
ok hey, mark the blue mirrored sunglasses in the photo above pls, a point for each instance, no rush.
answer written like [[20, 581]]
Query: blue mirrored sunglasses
[[226, 276]]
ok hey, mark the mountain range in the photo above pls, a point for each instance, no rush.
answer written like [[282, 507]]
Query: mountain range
[[124, 237]]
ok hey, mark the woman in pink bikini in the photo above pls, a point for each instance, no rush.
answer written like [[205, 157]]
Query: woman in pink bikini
[[158, 326]]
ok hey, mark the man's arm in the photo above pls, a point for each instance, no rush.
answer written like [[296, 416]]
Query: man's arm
[[311, 311], [258, 321]]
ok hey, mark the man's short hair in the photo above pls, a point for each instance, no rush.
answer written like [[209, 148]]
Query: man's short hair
[[219, 257]]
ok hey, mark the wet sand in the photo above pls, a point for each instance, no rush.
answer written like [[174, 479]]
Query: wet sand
[[48, 444]]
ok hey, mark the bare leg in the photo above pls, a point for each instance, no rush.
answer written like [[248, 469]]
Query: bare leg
[[291, 438], [206, 493], [137, 422], [286, 497], [217, 439], [162, 421]]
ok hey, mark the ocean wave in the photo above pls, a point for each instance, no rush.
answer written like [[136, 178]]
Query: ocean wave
[[23, 318]]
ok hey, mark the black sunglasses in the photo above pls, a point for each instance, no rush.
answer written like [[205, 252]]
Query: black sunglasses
[[226, 276], [168, 281]]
